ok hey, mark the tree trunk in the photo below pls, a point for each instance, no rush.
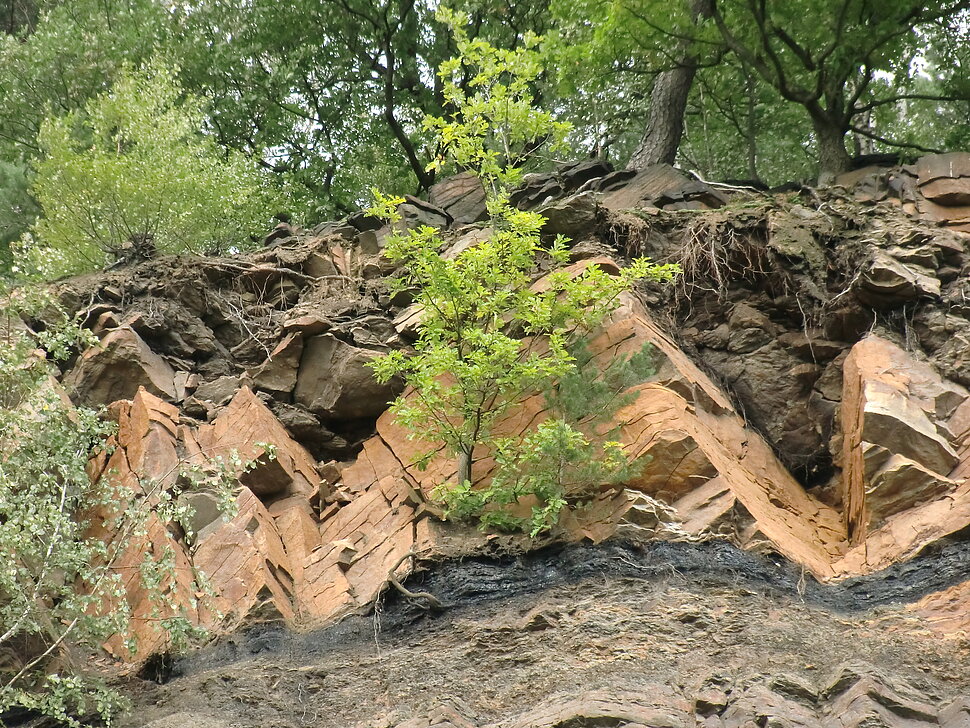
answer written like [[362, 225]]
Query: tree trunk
[[665, 122], [833, 159], [751, 125], [668, 102], [864, 144], [464, 467], [17, 15]]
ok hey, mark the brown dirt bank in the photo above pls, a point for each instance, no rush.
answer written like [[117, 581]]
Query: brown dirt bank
[[671, 635]]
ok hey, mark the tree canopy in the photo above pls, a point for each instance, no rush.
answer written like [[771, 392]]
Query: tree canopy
[[816, 73], [131, 175], [329, 97]]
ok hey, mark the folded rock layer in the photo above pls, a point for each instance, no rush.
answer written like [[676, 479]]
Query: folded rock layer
[[781, 418]]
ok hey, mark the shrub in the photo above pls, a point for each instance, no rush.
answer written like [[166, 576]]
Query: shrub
[[133, 174], [59, 593], [565, 459]]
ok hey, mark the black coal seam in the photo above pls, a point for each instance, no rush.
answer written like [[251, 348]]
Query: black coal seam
[[470, 582], [712, 563]]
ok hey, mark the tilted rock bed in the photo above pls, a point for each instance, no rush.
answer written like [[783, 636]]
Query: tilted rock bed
[[810, 397]]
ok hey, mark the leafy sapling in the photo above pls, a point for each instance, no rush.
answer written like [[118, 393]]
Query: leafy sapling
[[495, 129], [491, 334], [62, 533], [567, 458]]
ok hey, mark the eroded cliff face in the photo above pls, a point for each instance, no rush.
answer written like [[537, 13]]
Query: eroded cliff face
[[810, 402]]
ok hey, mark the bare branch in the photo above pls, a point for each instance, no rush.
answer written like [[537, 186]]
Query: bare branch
[[903, 97], [803, 55], [889, 142]]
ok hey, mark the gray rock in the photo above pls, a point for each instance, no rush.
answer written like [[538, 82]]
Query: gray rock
[[573, 217], [408, 322], [680, 197], [416, 213], [370, 242], [278, 373], [925, 256], [319, 264], [573, 176], [205, 512], [954, 358], [306, 429], [615, 180], [335, 382], [361, 221], [116, 368], [340, 229], [461, 196], [643, 187], [218, 391], [886, 282], [794, 238], [535, 190], [282, 233]]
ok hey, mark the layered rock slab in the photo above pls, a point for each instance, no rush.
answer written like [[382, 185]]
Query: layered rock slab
[[852, 698], [143, 462], [904, 452], [689, 429], [310, 551], [275, 557], [297, 550], [904, 455]]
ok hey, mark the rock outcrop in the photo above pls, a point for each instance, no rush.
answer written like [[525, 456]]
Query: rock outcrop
[[284, 551], [937, 187], [810, 397], [117, 368], [850, 700], [897, 447]]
